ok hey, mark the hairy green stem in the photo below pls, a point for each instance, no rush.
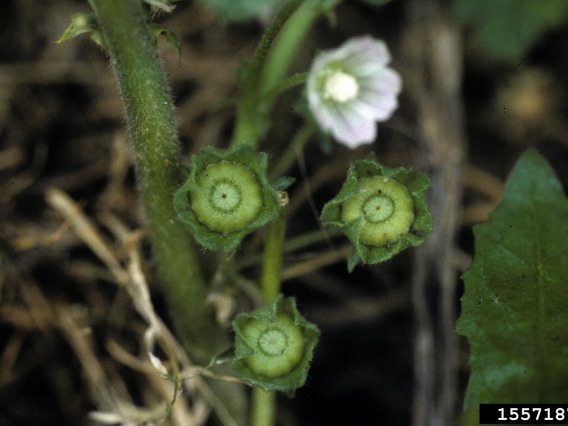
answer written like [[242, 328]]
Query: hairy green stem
[[263, 48], [247, 127], [149, 111], [289, 39], [310, 238], [297, 243], [272, 59], [263, 410], [287, 158], [284, 85], [272, 260]]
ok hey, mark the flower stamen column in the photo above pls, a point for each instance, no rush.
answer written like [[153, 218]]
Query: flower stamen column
[[340, 87]]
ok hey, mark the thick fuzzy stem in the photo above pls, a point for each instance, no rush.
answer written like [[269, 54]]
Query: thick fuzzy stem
[[149, 111]]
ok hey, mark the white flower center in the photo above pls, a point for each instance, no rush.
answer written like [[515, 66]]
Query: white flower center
[[340, 87]]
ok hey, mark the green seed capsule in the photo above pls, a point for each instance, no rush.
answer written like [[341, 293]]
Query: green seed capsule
[[274, 346], [279, 347], [228, 197], [386, 207], [381, 210]]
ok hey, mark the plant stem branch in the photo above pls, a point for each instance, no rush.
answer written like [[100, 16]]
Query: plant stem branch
[[326, 258], [289, 39], [286, 84], [289, 155], [272, 260], [296, 243], [263, 407], [310, 238], [149, 111], [246, 127], [270, 63], [263, 410]]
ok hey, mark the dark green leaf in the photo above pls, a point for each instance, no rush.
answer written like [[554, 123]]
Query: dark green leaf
[[515, 307]]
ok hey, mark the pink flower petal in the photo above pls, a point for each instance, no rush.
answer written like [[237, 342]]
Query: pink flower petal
[[350, 128], [353, 122], [365, 50], [385, 80]]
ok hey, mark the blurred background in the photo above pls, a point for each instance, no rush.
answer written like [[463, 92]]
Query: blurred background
[[483, 81]]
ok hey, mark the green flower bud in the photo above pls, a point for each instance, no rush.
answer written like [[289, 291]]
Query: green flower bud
[[226, 197], [381, 210], [274, 346]]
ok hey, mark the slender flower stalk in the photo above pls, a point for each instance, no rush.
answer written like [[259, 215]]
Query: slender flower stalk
[[247, 128], [295, 146], [270, 64], [272, 259], [290, 39], [263, 404]]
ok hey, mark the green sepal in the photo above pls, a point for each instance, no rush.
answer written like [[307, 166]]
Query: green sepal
[[171, 37], [244, 348], [83, 22], [283, 183], [420, 228], [353, 260], [246, 158]]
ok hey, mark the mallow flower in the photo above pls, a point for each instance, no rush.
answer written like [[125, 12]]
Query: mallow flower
[[351, 88]]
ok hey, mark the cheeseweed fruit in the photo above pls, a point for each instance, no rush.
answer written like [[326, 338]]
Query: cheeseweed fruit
[[381, 210], [226, 196], [274, 346]]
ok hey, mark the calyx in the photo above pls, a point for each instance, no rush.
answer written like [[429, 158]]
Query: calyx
[[274, 346], [226, 196], [381, 210]]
